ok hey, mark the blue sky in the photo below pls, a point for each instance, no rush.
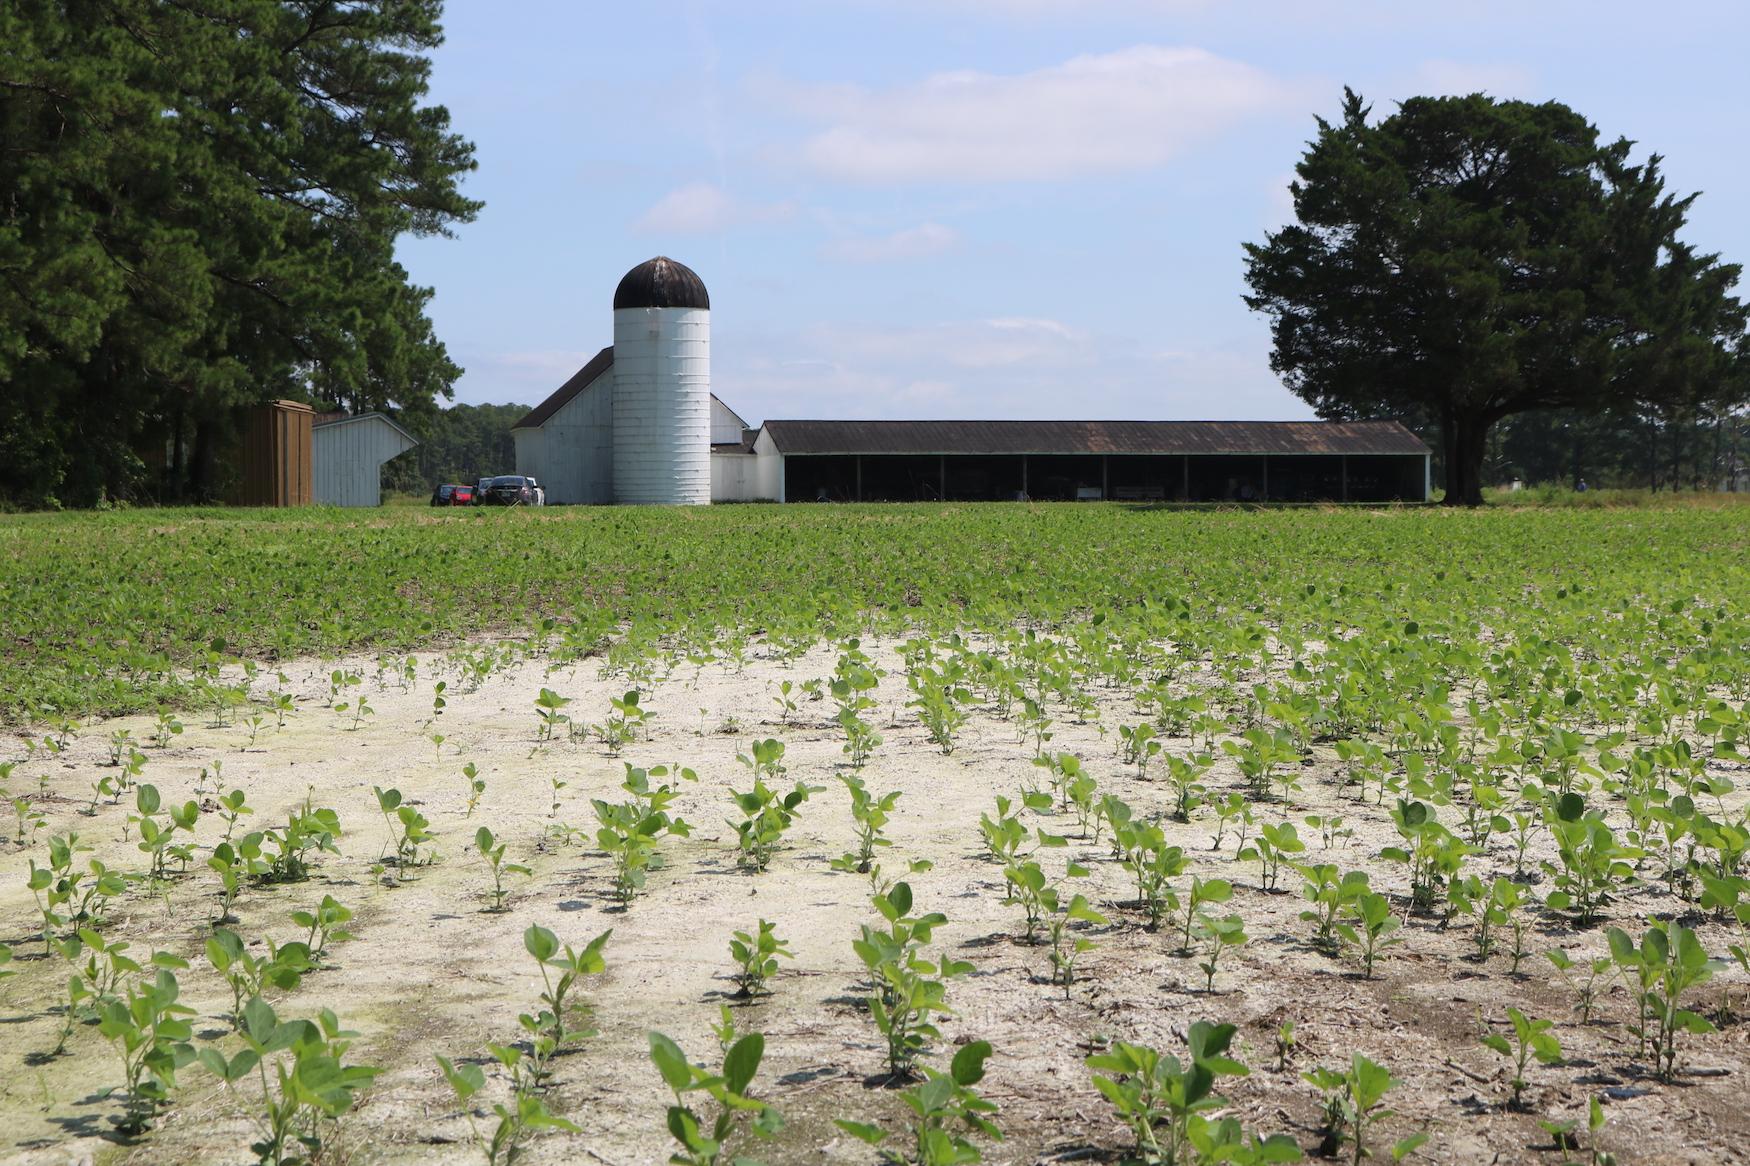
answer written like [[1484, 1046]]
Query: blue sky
[[981, 208]]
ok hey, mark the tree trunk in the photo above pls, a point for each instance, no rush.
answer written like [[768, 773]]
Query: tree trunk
[[1464, 436]]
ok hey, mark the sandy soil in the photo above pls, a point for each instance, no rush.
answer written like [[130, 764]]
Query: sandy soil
[[432, 972]]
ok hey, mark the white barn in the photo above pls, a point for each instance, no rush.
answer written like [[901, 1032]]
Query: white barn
[[347, 453], [639, 423]]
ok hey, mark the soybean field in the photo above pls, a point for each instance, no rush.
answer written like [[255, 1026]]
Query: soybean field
[[863, 834]]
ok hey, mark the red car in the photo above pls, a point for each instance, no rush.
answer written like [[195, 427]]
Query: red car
[[452, 495]]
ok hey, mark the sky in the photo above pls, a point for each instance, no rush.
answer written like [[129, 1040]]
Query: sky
[[982, 208]]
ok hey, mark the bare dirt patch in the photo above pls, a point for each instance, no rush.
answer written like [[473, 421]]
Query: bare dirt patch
[[432, 972]]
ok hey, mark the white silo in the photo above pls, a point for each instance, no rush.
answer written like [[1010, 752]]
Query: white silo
[[662, 386]]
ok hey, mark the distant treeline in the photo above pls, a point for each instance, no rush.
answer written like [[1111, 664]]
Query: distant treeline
[[458, 444]]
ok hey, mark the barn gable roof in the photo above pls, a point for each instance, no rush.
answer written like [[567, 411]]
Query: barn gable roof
[[1120, 437], [562, 396], [323, 420]]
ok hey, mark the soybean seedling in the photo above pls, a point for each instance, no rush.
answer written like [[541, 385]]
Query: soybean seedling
[[1157, 1096], [729, 1089], [766, 816], [943, 1103], [1355, 1101], [1597, 974], [152, 1032], [908, 989], [476, 786], [549, 1026], [314, 1083], [1218, 934], [1066, 946], [870, 814], [1370, 929], [525, 1114], [1530, 1039], [408, 829], [249, 976], [492, 851], [629, 830], [326, 924], [756, 956], [547, 708]]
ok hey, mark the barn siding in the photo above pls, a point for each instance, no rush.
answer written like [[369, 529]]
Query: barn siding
[[347, 459], [572, 453]]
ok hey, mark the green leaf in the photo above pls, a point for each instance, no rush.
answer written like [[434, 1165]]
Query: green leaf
[[862, 1131], [677, 1072], [540, 943], [743, 1061], [968, 1064]]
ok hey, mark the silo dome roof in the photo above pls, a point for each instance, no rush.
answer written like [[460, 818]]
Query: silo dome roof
[[661, 283]]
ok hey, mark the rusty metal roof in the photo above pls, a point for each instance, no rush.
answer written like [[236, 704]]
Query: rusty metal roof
[[580, 380], [661, 283], [1044, 437]]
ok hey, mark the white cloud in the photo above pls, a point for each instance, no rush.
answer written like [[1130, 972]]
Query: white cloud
[[1129, 110], [917, 242], [704, 208]]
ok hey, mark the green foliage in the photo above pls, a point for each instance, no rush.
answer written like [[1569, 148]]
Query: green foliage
[[1273, 846], [1505, 217], [151, 1031], [756, 956], [312, 1085], [250, 976], [1529, 1039], [525, 1113], [325, 924], [1667, 963], [728, 1088], [767, 814], [1158, 1097], [1370, 928], [547, 706], [1154, 865], [550, 1026], [1593, 863], [68, 898], [408, 829], [630, 830], [870, 813], [1355, 1102], [909, 989], [492, 851], [1586, 979], [943, 1105]]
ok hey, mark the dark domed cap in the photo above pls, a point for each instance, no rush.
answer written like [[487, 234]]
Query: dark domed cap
[[661, 283]]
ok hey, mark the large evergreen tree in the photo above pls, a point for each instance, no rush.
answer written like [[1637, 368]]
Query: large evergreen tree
[[199, 202], [1467, 259]]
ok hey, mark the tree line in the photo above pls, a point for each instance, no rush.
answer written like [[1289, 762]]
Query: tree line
[[199, 204], [460, 444]]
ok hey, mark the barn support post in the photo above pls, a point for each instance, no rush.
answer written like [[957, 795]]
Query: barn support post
[[1024, 493], [1264, 494], [1105, 479], [859, 477], [942, 470], [1185, 465]]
